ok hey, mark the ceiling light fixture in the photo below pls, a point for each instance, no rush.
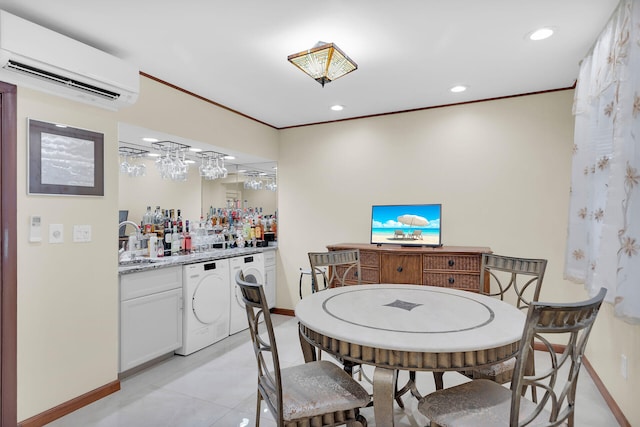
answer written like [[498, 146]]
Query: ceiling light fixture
[[324, 62], [149, 139], [337, 107], [458, 89], [541, 34]]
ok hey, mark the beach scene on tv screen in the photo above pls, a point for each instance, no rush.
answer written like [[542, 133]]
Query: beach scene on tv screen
[[406, 225]]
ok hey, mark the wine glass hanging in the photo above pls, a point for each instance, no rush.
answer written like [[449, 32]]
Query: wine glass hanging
[[212, 165], [172, 164], [131, 163]]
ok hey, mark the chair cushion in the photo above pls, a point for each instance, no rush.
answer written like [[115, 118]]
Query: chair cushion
[[478, 403], [317, 388]]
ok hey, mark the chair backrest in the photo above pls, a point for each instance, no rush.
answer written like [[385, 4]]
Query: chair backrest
[[571, 324], [264, 344], [523, 276], [343, 265]]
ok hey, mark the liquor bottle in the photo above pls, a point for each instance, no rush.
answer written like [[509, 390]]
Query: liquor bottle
[[147, 220], [259, 231], [153, 245], [186, 241], [168, 239], [175, 241], [179, 222], [158, 222]]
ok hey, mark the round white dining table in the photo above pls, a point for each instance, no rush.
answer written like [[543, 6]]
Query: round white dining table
[[407, 327]]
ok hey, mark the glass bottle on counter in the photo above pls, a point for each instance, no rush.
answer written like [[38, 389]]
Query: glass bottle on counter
[[168, 239], [158, 222], [179, 221], [175, 241], [147, 220], [186, 241]]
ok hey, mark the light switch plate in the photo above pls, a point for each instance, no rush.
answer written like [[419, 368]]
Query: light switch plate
[[81, 233], [35, 228], [56, 233]]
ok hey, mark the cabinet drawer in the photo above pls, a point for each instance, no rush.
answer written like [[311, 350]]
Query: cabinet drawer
[[369, 275], [400, 268], [452, 262], [135, 285], [370, 259], [468, 282]]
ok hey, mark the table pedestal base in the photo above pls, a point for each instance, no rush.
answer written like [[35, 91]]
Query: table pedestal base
[[384, 393]]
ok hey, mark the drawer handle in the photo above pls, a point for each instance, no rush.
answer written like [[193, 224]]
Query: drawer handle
[[451, 263], [399, 269], [451, 280]]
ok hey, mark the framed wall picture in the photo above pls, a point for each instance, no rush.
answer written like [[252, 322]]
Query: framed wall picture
[[65, 160]]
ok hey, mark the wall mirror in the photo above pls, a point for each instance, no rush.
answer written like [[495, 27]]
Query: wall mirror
[[248, 181]]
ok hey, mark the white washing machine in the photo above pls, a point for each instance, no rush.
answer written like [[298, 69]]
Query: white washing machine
[[252, 267], [206, 296]]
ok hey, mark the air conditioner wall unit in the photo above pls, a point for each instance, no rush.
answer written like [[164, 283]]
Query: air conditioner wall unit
[[42, 59]]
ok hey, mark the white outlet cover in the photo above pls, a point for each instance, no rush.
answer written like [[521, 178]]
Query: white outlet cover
[[56, 233]]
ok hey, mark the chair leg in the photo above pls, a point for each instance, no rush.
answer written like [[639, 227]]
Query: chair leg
[[410, 386], [258, 410], [530, 369]]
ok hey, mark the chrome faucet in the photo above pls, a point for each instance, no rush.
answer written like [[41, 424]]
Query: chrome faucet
[[123, 249]]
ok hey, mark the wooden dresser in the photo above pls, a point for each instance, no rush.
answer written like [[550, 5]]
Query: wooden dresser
[[447, 266]]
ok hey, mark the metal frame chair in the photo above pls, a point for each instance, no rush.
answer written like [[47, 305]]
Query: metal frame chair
[[482, 402], [506, 275], [342, 265], [515, 268], [312, 394]]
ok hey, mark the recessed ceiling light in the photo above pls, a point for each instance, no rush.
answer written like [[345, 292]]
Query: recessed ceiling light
[[148, 139], [337, 107], [457, 89], [541, 34]]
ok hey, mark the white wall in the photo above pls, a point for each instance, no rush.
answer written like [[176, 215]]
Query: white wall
[[67, 293], [501, 169]]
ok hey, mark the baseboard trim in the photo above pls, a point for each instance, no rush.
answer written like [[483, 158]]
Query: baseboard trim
[[609, 400], [70, 406], [283, 311]]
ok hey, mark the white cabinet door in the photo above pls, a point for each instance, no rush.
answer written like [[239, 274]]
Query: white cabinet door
[[270, 277], [270, 285], [150, 326]]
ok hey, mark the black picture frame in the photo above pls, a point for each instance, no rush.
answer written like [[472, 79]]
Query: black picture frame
[[64, 160]]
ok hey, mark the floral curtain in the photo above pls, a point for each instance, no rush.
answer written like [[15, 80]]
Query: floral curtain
[[603, 242]]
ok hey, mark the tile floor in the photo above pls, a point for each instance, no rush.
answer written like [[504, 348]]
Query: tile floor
[[216, 387]]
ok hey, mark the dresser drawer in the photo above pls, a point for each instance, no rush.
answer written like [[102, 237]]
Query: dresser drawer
[[465, 281], [370, 259], [452, 262], [369, 275]]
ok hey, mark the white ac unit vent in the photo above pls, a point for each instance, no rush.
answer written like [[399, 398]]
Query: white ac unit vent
[[36, 57]]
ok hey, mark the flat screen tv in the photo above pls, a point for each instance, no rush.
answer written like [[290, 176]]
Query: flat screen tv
[[407, 225]]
